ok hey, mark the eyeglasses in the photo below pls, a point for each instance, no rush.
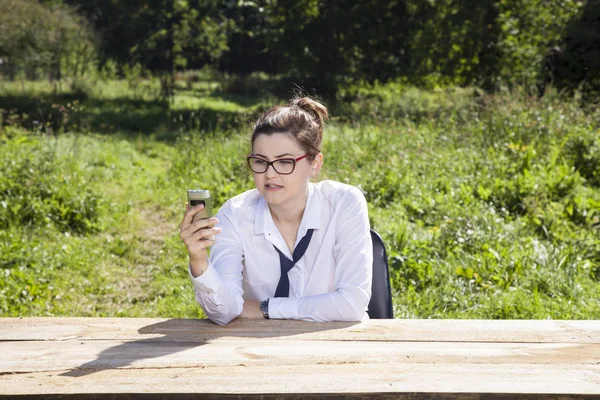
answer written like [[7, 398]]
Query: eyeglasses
[[283, 166]]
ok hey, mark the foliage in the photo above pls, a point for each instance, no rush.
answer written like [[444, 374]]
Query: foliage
[[572, 66], [53, 40], [326, 41], [315, 44], [397, 100], [530, 29], [490, 43], [39, 189], [160, 35]]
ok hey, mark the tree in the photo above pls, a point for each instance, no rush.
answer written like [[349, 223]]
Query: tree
[[247, 38], [34, 37], [334, 42], [161, 35], [575, 61]]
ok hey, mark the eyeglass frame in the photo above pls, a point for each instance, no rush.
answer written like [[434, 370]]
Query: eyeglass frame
[[272, 164]]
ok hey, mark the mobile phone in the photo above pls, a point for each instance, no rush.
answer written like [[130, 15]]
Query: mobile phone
[[198, 196]]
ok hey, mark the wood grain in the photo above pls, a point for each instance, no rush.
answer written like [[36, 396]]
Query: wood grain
[[505, 331], [318, 378], [18, 357]]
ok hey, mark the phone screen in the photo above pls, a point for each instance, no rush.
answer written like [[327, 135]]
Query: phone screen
[[194, 203]]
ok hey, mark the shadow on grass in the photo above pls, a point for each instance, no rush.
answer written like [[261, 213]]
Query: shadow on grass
[[184, 334], [246, 100], [130, 116]]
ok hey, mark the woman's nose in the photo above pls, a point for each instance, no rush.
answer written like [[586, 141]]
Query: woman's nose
[[270, 172]]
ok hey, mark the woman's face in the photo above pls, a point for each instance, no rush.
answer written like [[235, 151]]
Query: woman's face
[[278, 189]]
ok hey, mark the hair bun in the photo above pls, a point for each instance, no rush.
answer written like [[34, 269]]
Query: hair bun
[[314, 107], [302, 117]]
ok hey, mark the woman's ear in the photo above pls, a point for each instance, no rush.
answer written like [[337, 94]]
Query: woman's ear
[[317, 164]]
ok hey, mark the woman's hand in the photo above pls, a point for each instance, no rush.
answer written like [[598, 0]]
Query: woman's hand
[[251, 310], [198, 236]]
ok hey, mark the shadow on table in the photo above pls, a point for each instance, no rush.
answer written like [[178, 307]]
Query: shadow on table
[[183, 334]]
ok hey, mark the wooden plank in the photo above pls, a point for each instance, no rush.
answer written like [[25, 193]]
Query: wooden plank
[[433, 379], [20, 357], [199, 331]]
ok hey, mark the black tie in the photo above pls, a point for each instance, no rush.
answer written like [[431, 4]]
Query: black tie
[[283, 287]]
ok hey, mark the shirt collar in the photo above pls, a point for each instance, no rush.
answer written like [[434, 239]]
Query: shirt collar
[[310, 220], [262, 212], [312, 213]]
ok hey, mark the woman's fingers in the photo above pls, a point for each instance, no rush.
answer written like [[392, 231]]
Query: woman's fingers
[[197, 235], [201, 223], [189, 237], [199, 246], [202, 234], [197, 226], [189, 215]]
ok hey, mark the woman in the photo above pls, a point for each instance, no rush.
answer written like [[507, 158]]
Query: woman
[[289, 249]]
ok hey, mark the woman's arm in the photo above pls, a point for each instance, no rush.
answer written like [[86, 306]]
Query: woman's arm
[[353, 252], [219, 289]]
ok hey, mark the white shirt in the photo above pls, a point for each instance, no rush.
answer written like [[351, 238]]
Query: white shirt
[[331, 282]]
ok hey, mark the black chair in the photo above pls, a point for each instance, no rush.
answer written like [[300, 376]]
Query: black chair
[[380, 306]]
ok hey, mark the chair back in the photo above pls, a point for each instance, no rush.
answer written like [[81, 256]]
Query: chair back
[[380, 306]]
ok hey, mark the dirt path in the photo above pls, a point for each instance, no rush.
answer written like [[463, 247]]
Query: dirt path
[[147, 243]]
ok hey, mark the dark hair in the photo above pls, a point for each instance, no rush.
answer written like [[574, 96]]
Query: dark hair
[[303, 118]]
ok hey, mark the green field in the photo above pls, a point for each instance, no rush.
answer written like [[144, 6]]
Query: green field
[[489, 204]]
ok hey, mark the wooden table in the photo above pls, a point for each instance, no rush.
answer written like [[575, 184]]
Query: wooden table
[[98, 358]]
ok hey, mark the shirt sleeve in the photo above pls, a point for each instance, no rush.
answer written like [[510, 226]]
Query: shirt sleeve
[[219, 290], [353, 252]]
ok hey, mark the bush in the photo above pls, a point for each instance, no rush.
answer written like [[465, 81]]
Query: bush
[[82, 89], [39, 37], [397, 100], [38, 189], [109, 71], [585, 153], [573, 64], [227, 179]]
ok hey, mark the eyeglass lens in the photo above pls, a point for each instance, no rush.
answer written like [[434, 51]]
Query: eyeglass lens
[[281, 166]]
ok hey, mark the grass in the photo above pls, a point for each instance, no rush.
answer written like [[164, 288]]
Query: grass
[[489, 205]]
